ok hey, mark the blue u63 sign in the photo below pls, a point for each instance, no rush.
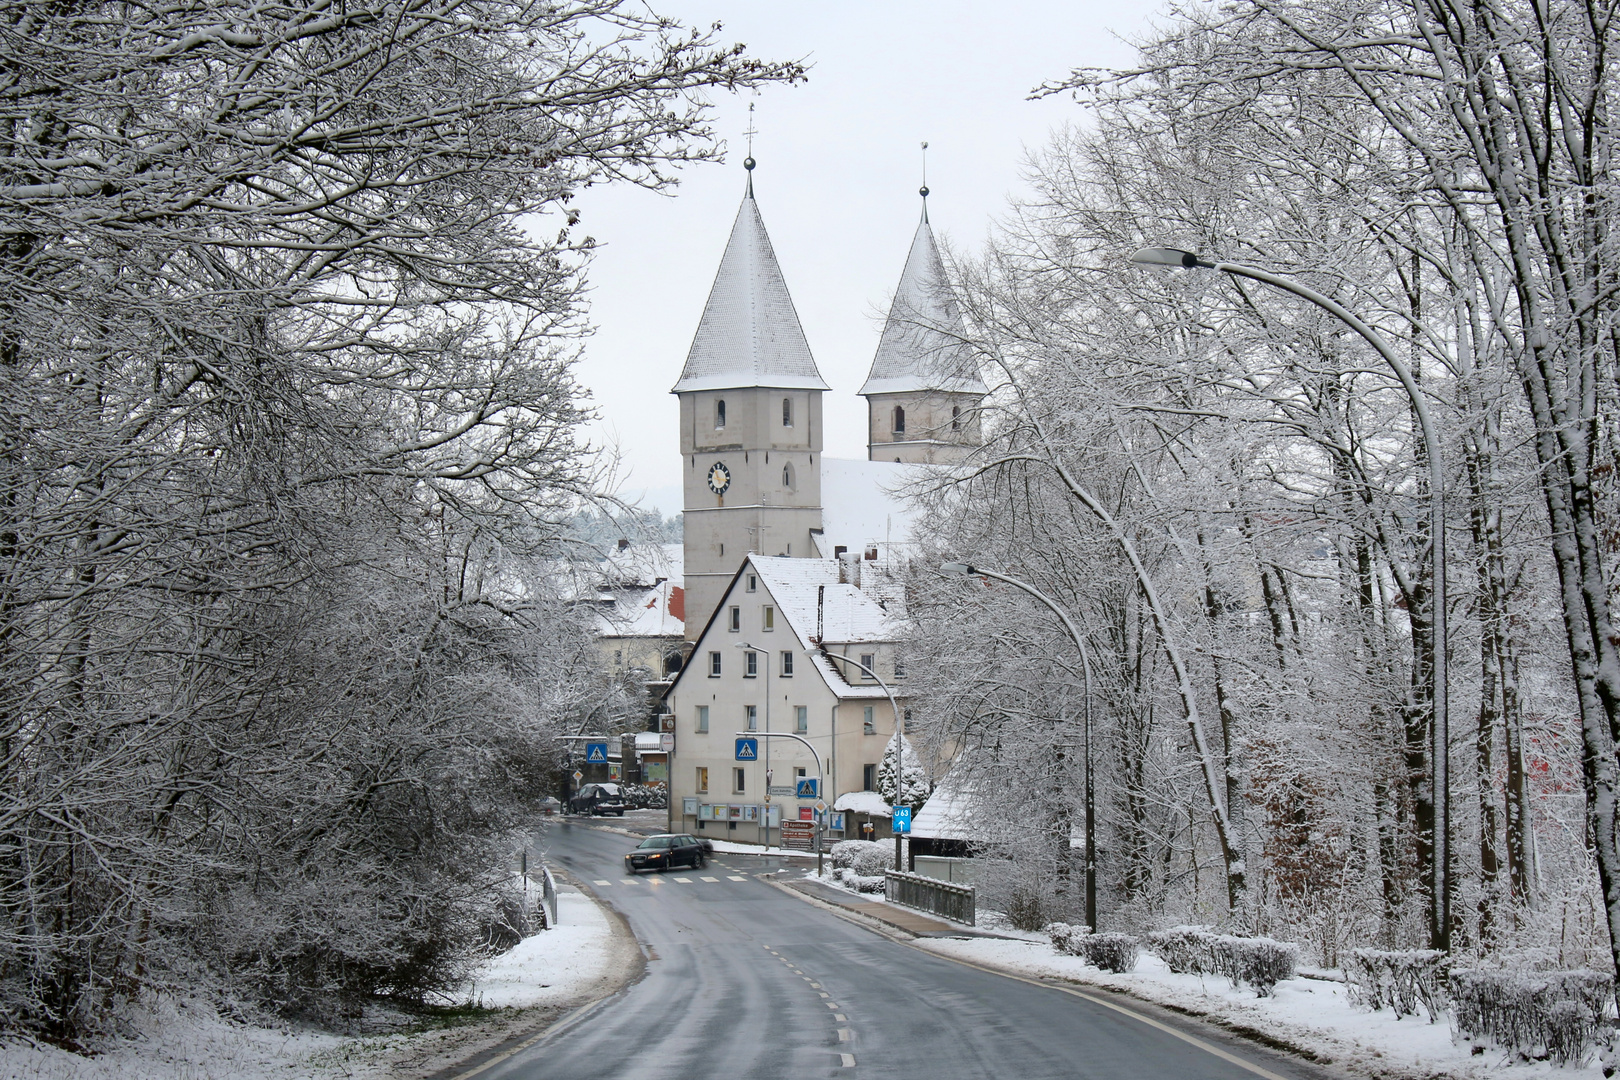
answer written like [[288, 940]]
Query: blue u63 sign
[[902, 819]]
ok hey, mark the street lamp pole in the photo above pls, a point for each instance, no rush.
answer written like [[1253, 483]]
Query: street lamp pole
[[750, 648], [1440, 735], [899, 740], [965, 570], [821, 778]]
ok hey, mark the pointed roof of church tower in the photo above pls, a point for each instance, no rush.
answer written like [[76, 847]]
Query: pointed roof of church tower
[[749, 334], [920, 349]]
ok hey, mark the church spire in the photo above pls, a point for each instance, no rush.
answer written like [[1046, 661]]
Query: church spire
[[920, 347], [749, 334]]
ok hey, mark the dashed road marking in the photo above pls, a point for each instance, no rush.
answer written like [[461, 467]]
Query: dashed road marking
[[603, 881], [843, 1034], [684, 880], [816, 985], [628, 880], [737, 877], [840, 1017], [709, 879], [846, 1061]]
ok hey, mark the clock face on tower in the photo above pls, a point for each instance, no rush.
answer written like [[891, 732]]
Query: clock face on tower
[[719, 478]]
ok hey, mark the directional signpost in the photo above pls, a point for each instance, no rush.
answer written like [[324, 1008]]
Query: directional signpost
[[902, 820], [747, 749], [596, 753]]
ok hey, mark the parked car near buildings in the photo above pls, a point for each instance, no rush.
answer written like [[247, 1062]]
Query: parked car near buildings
[[598, 799]]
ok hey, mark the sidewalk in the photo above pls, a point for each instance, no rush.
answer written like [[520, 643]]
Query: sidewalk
[[912, 922]]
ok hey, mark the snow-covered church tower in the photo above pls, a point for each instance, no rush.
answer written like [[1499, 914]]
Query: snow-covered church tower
[[751, 434], [924, 391]]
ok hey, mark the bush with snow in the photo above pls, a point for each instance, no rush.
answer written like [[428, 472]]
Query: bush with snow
[[868, 858], [1540, 1014], [1257, 962], [862, 882], [1399, 981], [1186, 950], [1111, 952], [1066, 937]]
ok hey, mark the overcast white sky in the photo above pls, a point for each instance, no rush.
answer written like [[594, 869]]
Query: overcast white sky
[[839, 167]]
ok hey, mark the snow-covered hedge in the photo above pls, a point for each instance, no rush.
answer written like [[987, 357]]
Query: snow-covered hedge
[[1552, 1014], [861, 883], [1066, 937], [868, 858], [1186, 950], [1400, 981], [1259, 963], [1111, 952]]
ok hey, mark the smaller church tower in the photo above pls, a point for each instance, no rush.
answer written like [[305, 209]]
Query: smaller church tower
[[924, 391], [750, 421]]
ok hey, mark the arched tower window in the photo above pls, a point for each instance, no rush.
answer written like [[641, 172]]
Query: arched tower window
[[956, 418], [787, 476], [720, 414], [787, 412], [899, 420]]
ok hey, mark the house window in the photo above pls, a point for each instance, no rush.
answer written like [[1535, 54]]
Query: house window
[[769, 616], [869, 662], [720, 414], [787, 664], [714, 665], [787, 412], [801, 718], [702, 780], [734, 619], [787, 476], [907, 714], [618, 656], [868, 725], [868, 777], [738, 780], [751, 717], [753, 582], [702, 719], [899, 668], [750, 664], [899, 420], [956, 418]]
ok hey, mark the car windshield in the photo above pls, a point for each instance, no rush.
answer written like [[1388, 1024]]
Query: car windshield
[[655, 842]]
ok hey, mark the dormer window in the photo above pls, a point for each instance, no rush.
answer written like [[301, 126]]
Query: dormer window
[[787, 412], [956, 418], [899, 420], [720, 414]]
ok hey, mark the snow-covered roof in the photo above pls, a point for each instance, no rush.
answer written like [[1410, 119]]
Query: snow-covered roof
[[859, 505], [648, 742], [863, 802], [639, 592], [749, 334], [849, 615], [920, 348], [947, 815]]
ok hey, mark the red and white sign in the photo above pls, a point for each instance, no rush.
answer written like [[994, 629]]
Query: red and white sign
[[799, 835]]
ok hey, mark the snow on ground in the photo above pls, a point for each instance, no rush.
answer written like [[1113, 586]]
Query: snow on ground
[[186, 1040], [1308, 1014], [729, 847]]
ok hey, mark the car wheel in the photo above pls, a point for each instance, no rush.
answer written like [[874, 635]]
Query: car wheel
[[701, 861]]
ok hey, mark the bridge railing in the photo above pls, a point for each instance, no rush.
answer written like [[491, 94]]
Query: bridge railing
[[943, 898]]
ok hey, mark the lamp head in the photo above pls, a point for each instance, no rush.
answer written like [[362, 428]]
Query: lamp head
[[956, 569], [1168, 257]]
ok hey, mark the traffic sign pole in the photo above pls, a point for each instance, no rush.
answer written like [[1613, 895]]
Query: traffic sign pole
[[753, 739]]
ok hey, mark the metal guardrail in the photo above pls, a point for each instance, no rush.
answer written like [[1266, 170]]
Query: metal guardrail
[[548, 896], [949, 901]]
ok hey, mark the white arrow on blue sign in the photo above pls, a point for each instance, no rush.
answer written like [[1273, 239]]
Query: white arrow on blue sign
[[747, 749], [902, 819], [596, 753]]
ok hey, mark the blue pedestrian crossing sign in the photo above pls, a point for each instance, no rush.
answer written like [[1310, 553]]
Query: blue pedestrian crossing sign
[[747, 749], [806, 789], [902, 819], [596, 753]]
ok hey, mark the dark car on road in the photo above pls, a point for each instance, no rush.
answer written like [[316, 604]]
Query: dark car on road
[[601, 799], [666, 850]]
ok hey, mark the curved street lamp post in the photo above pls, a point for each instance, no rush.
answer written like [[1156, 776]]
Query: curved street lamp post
[[965, 570], [1440, 907], [767, 733], [899, 741]]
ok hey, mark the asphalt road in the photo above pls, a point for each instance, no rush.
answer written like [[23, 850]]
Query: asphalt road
[[747, 981]]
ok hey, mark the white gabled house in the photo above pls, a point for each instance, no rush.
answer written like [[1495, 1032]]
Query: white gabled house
[[775, 658]]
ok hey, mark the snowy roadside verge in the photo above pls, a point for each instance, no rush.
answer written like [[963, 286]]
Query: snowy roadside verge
[[586, 956], [1309, 1015]]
